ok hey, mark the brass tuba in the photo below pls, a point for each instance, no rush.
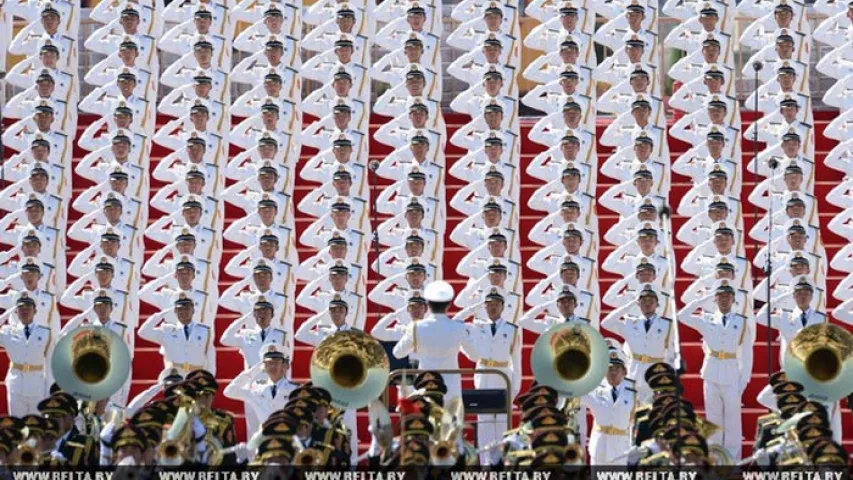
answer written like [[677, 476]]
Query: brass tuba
[[820, 358], [91, 363], [570, 358], [352, 366]]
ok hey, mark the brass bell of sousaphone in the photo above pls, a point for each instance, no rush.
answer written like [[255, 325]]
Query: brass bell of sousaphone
[[820, 358], [91, 363], [571, 358], [352, 366]]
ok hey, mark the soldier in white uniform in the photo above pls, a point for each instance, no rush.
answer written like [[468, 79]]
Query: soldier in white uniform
[[649, 337], [28, 346], [612, 405], [187, 345], [789, 322], [252, 333], [727, 339], [437, 338], [263, 395], [497, 345]]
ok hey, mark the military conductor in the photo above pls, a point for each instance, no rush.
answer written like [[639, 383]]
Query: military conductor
[[437, 338]]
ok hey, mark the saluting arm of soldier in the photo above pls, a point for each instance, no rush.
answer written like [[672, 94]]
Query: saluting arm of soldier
[[306, 333], [239, 388], [613, 321], [687, 315], [528, 321], [74, 323], [151, 329]]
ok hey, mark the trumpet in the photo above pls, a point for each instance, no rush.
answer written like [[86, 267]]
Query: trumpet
[[575, 454], [28, 455], [443, 453], [171, 451], [309, 457]]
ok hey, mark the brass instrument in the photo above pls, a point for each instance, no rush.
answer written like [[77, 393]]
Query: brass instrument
[[575, 454], [820, 358], [718, 455], [352, 366], [570, 358], [172, 450], [91, 363], [309, 457], [28, 455], [443, 453]]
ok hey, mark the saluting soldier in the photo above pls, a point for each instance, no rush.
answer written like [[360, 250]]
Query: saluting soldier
[[187, 345], [497, 344], [28, 346], [612, 405], [649, 337], [727, 338]]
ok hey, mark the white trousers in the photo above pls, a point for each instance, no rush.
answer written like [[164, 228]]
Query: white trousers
[[253, 423], [723, 408], [351, 422], [490, 429]]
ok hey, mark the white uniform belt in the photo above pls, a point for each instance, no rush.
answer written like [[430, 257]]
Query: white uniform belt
[[646, 358], [26, 367], [610, 430], [187, 367], [489, 363], [722, 355]]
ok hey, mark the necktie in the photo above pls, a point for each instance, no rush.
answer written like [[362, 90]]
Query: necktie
[[804, 319], [494, 328], [187, 331], [648, 324], [27, 331], [274, 390], [569, 318], [263, 335], [614, 393], [725, 320]]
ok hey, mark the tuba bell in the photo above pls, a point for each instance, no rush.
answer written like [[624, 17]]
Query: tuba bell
[[820, 358], [91, 363], [570, 358], [352, 366]]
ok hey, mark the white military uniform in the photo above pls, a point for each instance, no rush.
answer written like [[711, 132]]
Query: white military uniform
[[185, 347], [500, 350], [262, 395], [644, 347], [727, 342], [611, 431], [28, 376], [436, 340]]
